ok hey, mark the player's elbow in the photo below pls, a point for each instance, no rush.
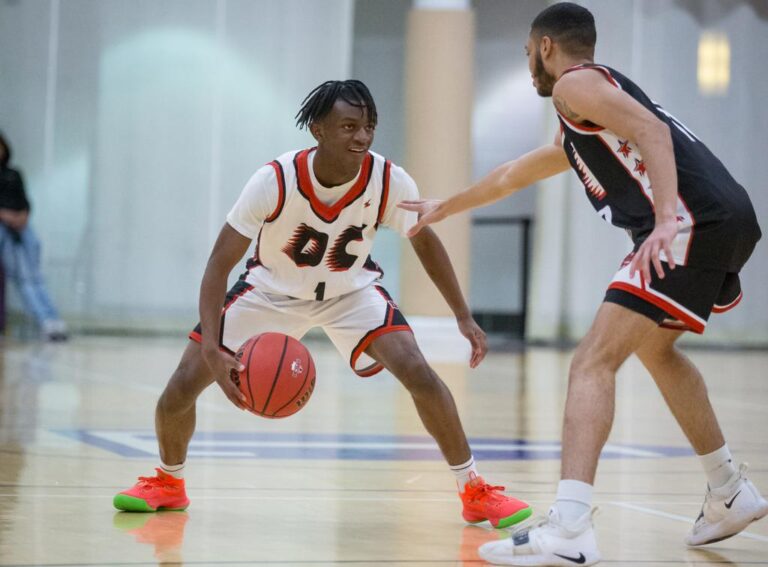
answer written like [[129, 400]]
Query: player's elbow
[[423, 241], [655, 133], [509, 180]]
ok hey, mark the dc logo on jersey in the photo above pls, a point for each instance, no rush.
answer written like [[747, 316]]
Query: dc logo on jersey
[[296, 368], [308, 246]]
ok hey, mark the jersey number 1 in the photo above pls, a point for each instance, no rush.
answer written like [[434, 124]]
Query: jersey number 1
[[320, 291]]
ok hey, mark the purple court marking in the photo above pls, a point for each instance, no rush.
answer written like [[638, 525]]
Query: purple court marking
[[262, 445]]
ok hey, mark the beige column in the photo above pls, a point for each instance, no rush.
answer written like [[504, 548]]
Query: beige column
[[439, 84]]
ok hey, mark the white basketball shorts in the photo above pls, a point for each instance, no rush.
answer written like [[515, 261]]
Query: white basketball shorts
[[351, 321]]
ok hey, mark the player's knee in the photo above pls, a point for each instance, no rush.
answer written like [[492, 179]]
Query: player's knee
[[178, 396], [658, 352], [594, 360], [416, 375], [173, 401]]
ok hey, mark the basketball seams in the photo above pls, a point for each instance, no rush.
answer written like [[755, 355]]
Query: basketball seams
[[277, 375], [258, 370], [248, 372], [301, 391]]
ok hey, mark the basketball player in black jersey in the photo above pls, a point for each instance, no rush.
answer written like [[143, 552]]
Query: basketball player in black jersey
[[693, 228]]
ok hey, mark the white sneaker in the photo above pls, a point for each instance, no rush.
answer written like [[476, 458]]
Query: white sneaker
[[547, 542], [727, 510], [54, 330]]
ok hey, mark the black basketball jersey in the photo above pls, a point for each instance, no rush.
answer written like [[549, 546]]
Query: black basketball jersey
[[718, 226]]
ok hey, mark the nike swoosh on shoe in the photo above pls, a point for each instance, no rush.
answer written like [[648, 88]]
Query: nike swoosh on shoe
[[729, 504], [578, 560]]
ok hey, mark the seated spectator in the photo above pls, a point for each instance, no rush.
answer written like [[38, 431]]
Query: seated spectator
[[20, 250]]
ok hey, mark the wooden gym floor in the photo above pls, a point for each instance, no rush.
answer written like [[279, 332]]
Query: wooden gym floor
[[352, 480]]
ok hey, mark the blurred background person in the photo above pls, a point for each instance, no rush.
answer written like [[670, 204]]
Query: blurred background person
[[20, 250]]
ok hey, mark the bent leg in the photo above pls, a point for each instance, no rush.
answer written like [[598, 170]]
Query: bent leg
[[399, 353], [732, 502], [683, 388], [175, 413], [175, 424], [567, 535], [615, 334]]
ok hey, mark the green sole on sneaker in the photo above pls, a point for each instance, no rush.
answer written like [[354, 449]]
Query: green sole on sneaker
[[133, 504], [515, 518]]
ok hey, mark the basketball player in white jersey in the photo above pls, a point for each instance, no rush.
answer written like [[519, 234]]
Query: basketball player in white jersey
[[693, 228], [313, 215]]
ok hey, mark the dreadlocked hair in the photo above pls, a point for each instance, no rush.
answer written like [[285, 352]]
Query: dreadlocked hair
[[320, 101]]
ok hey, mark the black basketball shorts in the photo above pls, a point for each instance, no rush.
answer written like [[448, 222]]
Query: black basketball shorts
[[683, 300]]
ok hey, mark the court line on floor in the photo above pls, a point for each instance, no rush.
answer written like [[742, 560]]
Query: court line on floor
[[241, 497], [352, 562], [321, 562], [331, 496], [676, 517], [323, 498]]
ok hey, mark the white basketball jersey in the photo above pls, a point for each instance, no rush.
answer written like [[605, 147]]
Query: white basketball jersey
[[310, 247]]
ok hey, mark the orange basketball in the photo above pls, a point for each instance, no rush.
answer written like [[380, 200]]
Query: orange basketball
[[279, 374]]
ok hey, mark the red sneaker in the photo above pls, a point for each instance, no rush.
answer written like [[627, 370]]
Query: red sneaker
[[485, 502], [152, 493]]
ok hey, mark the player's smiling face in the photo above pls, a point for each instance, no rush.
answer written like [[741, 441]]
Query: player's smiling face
[[345, 134]]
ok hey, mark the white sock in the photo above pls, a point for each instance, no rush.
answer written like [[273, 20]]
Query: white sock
[[464, 472], [176, 471], [574, 499], [718, 466]]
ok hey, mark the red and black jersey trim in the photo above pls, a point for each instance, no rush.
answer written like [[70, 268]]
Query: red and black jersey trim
[[278, 167], [594, 67], [393, 321], [238, 290], [723, 308], [384, 192], [254, 260], [372, 266], [631, 176], [588, 126], [304, 184], [582, 126], [662, 302]]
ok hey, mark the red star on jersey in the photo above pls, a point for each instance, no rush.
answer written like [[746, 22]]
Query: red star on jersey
[[367, 204], [640, 166], [624, 148]]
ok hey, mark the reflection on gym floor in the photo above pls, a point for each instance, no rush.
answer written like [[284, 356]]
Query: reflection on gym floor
[[352, 479]]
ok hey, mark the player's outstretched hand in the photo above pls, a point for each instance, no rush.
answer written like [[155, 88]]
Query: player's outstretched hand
[[429, 212], [476, 337], [648, 253], [222, 366]]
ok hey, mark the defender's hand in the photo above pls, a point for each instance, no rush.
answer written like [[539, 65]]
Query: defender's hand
[[648, 253], [429, 213], [476, 337], [223, 366]]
